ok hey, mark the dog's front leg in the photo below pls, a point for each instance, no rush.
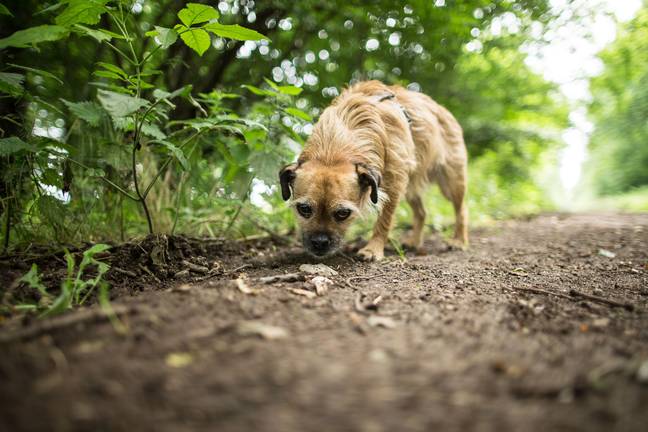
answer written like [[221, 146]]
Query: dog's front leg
[[375, 248]]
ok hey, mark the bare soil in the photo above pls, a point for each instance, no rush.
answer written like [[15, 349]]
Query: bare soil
[[541, 325]]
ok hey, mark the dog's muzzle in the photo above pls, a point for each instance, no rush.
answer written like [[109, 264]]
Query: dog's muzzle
[[319, 244]]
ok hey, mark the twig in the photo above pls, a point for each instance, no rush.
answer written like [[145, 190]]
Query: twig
[[126, 272], [610, 302], [195, 267], [289, 277], [58, 323], [352, 278], [541, 291], [239, 268], [149, 272], [573, 293]]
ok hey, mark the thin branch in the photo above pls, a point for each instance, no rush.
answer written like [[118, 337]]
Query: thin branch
[[126, 193]]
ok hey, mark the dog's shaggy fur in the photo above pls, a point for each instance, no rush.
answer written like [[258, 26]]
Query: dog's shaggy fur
[[373, 146]]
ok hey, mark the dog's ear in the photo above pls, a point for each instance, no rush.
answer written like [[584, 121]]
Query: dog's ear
[[368, 177], [286, 177]]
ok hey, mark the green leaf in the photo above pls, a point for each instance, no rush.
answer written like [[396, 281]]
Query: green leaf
[[113, 68], [165, 37], [234, 31], [4, 10], [51, 209], [13, 145], [152, 130], [257, 91], [177, 153], [299, 114], [107, 74], [87, 111], [51, 177], [11, 83], [195, 13], [119, 104], [99, 34], [196, 39], [82, 11], [182, 91], [39, 72], [290, 90], [32, 278], [33, 36]]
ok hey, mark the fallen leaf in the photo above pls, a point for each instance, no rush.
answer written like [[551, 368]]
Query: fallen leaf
[[179, 359], [380, 321], [257, 328], [606, 253], [321, 284], [318, 269], [302, 292]]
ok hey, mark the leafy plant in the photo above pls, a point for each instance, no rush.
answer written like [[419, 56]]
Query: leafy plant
[[75, 290]]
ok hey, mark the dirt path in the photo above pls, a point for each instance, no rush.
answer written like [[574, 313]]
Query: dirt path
[[470, 348]]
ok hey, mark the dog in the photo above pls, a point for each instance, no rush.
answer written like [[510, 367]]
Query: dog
[[374, 145]]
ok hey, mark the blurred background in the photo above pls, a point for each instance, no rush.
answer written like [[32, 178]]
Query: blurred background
[[552, 96]]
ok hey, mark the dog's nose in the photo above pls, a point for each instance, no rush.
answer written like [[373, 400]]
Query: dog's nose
[[320, 243]]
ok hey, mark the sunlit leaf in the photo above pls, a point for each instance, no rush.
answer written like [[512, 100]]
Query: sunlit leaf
[[195, 13], [82, 12], [257, 91], [98, 34], [118, 104], [195, 38], [33, 36], [234, 31], [299, 114], [290, 90], [165, 37]]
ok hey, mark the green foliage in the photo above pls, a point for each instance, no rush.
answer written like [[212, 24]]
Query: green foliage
[[75, 290], [618, 160], [145, 133], [33, 36]]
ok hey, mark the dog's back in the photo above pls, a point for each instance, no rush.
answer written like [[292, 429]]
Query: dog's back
[[390, 125]]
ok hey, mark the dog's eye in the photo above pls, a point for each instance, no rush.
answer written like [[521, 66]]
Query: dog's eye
[[342, 214], [305, 210]]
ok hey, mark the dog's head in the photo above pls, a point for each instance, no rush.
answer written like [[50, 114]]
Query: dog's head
[[327, 198]]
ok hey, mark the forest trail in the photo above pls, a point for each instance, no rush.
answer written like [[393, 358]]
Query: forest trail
[[541, 325]]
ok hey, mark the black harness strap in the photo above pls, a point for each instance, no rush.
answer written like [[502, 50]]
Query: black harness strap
[[405, 113]]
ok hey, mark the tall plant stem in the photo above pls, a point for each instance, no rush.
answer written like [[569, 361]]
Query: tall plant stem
[[7, 229], [140, 197]]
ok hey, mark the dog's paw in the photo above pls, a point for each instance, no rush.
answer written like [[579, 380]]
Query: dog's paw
[[456, 245], [369, 253], [411, 242]]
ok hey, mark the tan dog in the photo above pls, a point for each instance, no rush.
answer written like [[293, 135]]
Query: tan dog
[[373, 146]]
